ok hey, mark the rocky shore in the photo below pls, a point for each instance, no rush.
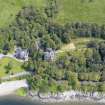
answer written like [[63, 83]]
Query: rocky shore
[[68, 96]]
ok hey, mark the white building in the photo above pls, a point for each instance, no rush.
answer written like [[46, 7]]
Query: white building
[[49, 55], [21, 54]]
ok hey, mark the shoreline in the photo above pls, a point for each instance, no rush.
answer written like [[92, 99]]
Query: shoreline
[[8, 88], [68, 96]]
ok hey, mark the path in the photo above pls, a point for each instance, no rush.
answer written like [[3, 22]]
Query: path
[[16, 75], [91, 82], [11, 56]]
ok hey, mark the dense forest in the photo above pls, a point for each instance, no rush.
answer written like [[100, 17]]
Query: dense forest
[[36, 31]]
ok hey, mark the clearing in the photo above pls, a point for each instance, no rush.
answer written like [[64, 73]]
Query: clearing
[[16, 66]]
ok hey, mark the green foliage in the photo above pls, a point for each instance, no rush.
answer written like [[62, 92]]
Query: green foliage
[[53, 86], [89, 87], [70, 10], [21, 92], [92, 76], [101, 87], [81, 10], [70, 69], [47, 42], [31, 30], [72, 79], [10, 65], [51, 9], [36, 30]]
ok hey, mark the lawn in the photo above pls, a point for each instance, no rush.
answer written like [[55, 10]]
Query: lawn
[[16, 66]]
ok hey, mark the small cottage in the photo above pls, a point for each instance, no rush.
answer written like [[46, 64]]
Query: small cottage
[[21, 54], [49, 54]]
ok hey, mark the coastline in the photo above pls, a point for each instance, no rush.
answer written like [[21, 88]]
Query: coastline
[[68, 96], [7, 88]]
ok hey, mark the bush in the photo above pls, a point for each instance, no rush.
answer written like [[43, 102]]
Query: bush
[[21, 92]]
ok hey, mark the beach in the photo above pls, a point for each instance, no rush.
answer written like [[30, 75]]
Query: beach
[[9, 87]]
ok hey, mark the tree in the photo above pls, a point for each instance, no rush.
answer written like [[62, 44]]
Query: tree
[[57, 41], [92, 44], [8, 67], [72, 79], [34, 82], [101, 87], [6, 47], [66, 37], [51, 9], [102, 50], [62, 86], [47, 42], [89, 87], [94, 76], [96, 56], [30, 66], [83, 76], [44, 88], [52, 85], [59, 74]]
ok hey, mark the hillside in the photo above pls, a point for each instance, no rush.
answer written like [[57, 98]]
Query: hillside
[[77, 10], [70, 10], [56, 37], [9, 9]]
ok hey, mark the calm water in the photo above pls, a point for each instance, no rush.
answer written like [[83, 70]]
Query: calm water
[[13, 100]]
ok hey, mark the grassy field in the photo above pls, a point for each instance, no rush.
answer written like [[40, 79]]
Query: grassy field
[[82, 42], [16, 66], [9, 9], [76, 10], [77, 46], [70, 10], [78, 43]]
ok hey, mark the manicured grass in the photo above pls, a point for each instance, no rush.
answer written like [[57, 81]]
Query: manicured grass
[[16, 66]]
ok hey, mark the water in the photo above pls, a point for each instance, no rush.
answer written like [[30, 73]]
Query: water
[[14, 100]]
